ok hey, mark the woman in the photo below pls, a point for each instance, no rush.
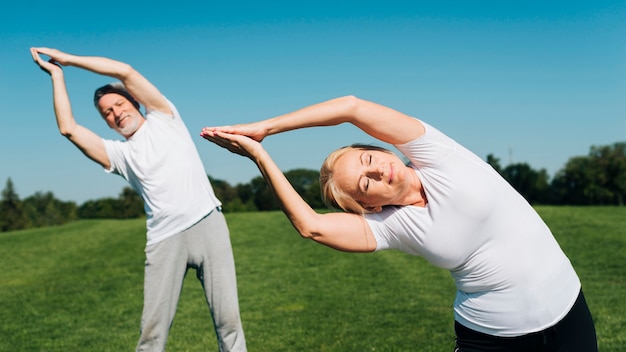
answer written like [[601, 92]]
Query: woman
[[517, 291]]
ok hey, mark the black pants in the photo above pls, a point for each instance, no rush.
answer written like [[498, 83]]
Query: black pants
[[574, 333]]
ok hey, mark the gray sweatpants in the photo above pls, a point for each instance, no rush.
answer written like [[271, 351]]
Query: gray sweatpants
[[205, 247]]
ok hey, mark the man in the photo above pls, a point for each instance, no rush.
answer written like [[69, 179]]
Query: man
[[185, 226]]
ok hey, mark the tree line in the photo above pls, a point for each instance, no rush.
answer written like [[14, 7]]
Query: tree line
[[598, 178]]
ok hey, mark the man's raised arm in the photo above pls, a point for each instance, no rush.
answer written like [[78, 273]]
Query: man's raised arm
[[137, 85], [88, 142]]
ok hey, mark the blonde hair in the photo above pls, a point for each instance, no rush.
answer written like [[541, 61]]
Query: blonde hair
[[332, 195]]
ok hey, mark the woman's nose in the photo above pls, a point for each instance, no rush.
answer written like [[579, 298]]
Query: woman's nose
[[375, 172]]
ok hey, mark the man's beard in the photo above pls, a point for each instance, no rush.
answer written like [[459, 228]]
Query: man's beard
[[130, 128]]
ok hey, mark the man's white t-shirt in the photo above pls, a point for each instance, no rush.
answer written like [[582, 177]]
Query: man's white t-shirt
[[512, 277], [161, 163]]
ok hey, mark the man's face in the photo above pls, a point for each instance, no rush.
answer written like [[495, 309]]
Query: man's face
[[120, 114]]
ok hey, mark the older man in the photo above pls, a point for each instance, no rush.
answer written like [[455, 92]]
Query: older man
[[185, 226]]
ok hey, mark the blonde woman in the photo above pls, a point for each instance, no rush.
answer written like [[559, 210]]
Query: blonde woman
[[517, 290]]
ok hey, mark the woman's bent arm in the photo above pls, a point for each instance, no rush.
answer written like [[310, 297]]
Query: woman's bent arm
[[341, 231]]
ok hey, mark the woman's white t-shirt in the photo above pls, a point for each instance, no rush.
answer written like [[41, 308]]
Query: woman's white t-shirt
[[512, 277]]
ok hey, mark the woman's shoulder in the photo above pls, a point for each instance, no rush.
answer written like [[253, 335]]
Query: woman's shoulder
[[392, 213]]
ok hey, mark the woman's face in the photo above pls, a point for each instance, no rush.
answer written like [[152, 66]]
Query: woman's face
[[373, 178]]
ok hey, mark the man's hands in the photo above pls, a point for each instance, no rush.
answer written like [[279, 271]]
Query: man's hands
[[52, 66]]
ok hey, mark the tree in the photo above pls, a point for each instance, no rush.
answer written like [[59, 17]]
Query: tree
[[494, 162], [245, 193], [102, 208], [237, 205], [243, 201], [126, 206], [262, 196], [130, 204], [533, 185], [568, 184], [609, 164], [43, 209], [306, 183], [596, 179], [12, 216], [223, 190]]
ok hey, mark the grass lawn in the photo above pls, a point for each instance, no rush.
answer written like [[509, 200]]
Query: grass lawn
[[78, 287]]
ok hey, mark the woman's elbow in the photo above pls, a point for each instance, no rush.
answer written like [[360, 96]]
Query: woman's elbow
[[305, 232], [351, 102], [352, 105], [308, 225]]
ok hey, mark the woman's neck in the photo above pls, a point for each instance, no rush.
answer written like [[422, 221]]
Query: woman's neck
[[418, 196]]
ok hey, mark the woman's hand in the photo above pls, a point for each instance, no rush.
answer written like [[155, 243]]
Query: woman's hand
[[236, 143], [255, 130]]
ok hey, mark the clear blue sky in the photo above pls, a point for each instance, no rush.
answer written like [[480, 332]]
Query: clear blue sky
[[527, 81]]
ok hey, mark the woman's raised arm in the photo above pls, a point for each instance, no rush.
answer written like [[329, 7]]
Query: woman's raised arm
[[341, 231], [381, 122]]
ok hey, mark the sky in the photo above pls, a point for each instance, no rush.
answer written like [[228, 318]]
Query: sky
[[535, 82]]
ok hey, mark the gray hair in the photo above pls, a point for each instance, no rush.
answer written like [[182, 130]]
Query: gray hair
[[115, 87]]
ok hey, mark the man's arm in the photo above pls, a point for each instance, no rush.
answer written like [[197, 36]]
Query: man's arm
[[137, 85], [87, 141]]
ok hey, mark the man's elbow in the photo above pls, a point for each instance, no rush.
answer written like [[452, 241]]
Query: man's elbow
[[65, 133], [67, 130], [126, 72]]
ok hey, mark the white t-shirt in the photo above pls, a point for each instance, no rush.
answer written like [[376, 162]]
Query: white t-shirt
[[161, 163], [512, 277]]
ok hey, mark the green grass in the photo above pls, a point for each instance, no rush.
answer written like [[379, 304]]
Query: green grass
[[78, 287]]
